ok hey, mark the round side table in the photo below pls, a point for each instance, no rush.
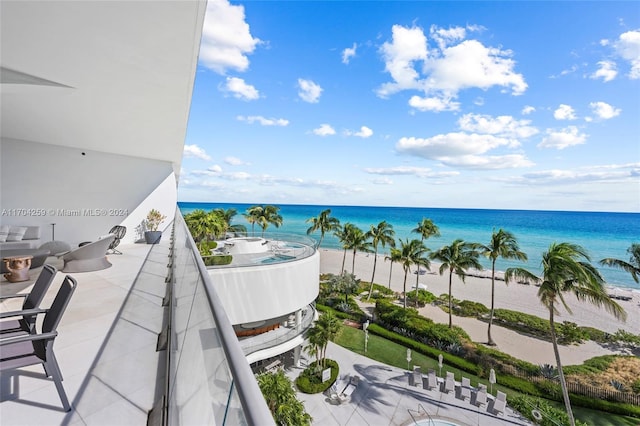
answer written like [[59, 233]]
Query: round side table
[[18, 267]]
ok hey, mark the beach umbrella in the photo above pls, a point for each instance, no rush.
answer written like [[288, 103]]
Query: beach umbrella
[[440, 363], [408, 358], [422, 286], [492, 378]]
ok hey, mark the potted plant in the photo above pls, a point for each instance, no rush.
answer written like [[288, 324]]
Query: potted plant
[[153, 221]]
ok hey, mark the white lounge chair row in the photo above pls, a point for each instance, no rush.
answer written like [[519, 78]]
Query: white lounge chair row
[[466, 390]]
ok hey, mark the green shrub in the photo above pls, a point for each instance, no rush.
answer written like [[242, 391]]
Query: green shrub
[[635, 386], [569, 333], [467, 308], [205, 247], [551, 416], [424, 297], [310, 380], [217, 260]]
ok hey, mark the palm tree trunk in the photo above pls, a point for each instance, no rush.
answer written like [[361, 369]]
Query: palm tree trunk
[[390, 270], [404, 289], [344, 258], [353, 262], [450, 305], [373, 274], [563, 383], [417, 279], [490, 342]]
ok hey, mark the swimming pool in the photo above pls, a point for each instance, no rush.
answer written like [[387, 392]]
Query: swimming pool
[[276, 258]]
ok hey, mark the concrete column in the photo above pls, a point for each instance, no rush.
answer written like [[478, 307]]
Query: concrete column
[[296, 355], [298, 319]]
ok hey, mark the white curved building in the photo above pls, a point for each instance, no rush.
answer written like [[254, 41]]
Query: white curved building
[[268, 291]]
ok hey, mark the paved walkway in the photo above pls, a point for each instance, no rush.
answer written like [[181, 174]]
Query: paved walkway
[[384, 397]]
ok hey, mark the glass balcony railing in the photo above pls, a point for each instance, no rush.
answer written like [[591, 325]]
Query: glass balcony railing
[[209, 379]]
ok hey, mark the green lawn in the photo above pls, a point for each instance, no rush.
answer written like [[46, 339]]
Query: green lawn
[[390, 353]]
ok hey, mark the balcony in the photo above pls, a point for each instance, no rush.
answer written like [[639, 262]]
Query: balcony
[[111, 347]]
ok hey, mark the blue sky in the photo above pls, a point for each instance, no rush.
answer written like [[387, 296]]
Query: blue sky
[[514, 105]]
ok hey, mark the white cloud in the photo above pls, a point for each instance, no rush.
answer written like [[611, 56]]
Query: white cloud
[[606, 71], [488, 162], [309, 91], [422, 172], [226, 38], [324, 130], [563, 139], [603, 110], [503, 125], [234, 161], [589, 174], [564, 112], [382, 181], [436, 104], [214, 170], [445, 37], [349, 53], [195, 151], [263, 121], [628, 47], [464, 150], [528, 109], [443, 71], [364, 132], [240, 90], [407, 46]]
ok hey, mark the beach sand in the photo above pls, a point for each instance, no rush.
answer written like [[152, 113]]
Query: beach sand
[[517, 297]]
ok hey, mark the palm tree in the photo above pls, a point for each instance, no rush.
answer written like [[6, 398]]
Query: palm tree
[[324, 330], [632, 266], [324, 223], [252, 216], [269, 216], [227, 216], [343, 234], [280, 396], [394, 256], [457, 257], [358, 241], [381, 234], [503, 244], [426, 228], [566, 268], [202, 225], [411, 253]]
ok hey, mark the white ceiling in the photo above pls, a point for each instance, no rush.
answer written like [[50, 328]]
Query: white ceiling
[[112, 76]]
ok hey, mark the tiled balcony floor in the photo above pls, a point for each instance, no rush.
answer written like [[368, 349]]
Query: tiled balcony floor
[[106, 345]]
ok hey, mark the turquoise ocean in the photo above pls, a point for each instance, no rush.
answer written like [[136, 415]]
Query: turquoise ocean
[[601, 234]]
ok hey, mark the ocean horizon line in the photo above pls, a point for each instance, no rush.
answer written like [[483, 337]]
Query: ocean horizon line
[[411, 207]]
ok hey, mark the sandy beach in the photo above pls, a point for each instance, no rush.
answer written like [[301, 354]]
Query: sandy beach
[[517, 297]]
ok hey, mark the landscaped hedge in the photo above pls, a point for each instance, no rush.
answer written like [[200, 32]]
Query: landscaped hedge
[[310, 381], [409, 323], [424, 349], [216, 260], [550, 415]]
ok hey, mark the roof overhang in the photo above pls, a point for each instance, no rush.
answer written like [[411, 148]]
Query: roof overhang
[[110, 76]]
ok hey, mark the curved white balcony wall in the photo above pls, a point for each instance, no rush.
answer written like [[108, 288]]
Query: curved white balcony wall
[[256, 293]]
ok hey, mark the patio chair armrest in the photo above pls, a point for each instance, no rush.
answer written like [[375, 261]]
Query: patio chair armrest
[[62, 253], [27, 338], [23, 312], [11, 296]]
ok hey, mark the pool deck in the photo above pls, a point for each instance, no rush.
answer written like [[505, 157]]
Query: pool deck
[[384, 397]]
